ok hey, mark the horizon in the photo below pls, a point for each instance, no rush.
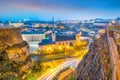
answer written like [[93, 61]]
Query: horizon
[[28, 19]]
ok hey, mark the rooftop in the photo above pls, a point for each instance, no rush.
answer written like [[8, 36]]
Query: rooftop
[[84, 33], [32, 32], [65, 37], [46, 42]]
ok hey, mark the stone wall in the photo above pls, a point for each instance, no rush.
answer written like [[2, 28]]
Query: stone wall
[[116, 37], [96, 63]]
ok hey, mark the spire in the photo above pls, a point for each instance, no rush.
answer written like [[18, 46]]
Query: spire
[[53, 33], [53, 18], [53, 24]]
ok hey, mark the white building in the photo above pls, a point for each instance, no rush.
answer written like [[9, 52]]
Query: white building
[[16, 24], [101, 22], [33, 36], [70, 21], [1, 25]]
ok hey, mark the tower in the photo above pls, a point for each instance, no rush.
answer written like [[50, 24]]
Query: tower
[[53, 24], [53, 32], [78, 36]]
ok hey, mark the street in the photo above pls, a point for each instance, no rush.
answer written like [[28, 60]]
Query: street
[[51, 74]]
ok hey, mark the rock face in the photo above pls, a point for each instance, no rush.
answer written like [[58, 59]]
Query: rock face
[[96, 63], [14, 54], [118, 48]]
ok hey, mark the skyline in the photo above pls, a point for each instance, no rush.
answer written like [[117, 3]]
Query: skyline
[[60, 9]]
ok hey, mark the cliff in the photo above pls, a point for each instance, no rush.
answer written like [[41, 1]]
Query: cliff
[[96, 63], [15, 61]]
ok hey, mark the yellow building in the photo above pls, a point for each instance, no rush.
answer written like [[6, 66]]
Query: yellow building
[[59, 42]]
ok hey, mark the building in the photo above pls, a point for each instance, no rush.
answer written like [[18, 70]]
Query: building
[[114, 25], [101, 23], [92, 33], [1, 25], [33, 36], [84, 36], [58, 42], [70, 21], [17, 24]]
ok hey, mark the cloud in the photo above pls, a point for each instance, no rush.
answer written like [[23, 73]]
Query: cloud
[[74, 9]]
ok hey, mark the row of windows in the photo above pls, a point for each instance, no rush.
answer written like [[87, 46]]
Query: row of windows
[[64, 43]]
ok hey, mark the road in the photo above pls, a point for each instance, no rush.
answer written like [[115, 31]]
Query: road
[[50, 75], [65, 74]]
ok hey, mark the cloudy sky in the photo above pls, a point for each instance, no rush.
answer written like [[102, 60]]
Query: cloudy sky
[[60, 9]]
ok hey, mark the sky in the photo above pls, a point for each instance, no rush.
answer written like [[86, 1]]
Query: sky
[[60, 9]]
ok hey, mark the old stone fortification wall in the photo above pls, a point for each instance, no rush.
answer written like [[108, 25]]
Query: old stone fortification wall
[[96, 63]]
